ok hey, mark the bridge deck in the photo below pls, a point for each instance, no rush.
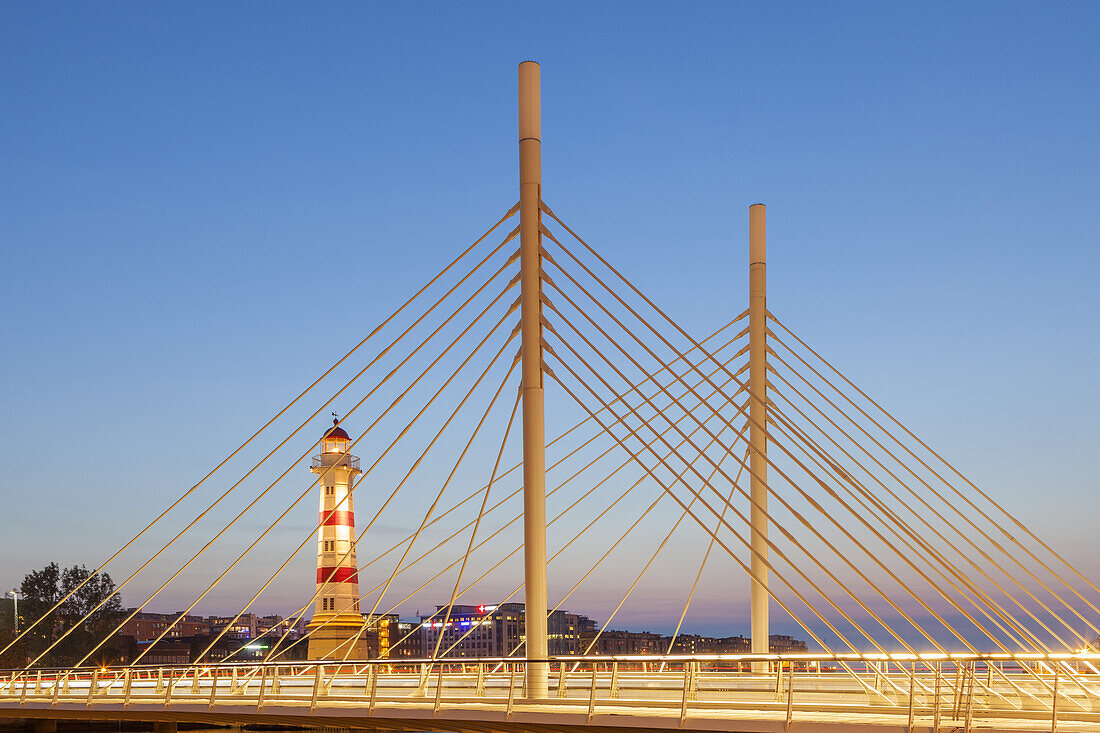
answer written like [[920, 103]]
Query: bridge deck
[[488, 696]]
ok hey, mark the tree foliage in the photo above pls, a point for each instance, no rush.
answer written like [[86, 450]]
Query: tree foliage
[[76, 627]]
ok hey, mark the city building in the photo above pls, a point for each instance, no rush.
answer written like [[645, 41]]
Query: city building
[[565, 633], [167, 651], [146, 626], [498, 631], [472, 631], [695, 644], [337, 622], [275, 626], [388, 636], [482, 631], [239, 628], [780, 644], [242, 650], [614, 641], [406, 641]]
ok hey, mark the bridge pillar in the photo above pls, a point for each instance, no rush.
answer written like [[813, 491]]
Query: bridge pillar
[[758, 413], [534, 440]]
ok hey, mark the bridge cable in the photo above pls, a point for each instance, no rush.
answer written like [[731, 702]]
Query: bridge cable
[[806, 523], [446, 483], [301, 610], [684, 333], [939, 495], [801, 466], [843, 477], [517, 549], [477, 522], [988, 498], [439, 391], [566, 546], [622, 537], [956, 510], [771, 544], [285, 473], [703, 564], [371, 468], [243, 445], [659, 548], [520, 547], [666, 489], [908, 528]]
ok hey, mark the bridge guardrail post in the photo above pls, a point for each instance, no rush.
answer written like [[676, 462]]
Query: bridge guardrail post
[[318, 673], [912, 691], [955, 692], [562, 687], [92, 684], [479, 686], [592, 693], [790, 696], [613, 688], [512, 690], [689, 669], [969, 697], [438, 691], [127, 686], [1054, 704], [263, 686], [373, 690], [425, 671], [936, 704]]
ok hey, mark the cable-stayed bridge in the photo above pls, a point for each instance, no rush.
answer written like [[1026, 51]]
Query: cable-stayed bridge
[[929, 606]]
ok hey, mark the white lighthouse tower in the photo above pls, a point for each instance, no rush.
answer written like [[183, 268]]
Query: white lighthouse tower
[[336, 616]]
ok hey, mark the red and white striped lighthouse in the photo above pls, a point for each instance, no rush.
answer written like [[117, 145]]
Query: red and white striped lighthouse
[[337, 622]]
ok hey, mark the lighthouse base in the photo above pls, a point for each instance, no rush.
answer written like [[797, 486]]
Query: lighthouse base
[[330, 635]]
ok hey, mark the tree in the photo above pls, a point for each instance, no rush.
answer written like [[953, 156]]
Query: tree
[[78, 625], [16, 655]]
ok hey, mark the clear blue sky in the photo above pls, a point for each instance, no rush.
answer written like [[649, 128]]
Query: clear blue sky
[[188, 189]]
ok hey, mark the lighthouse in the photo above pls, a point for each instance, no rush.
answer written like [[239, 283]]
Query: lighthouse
[[337, 622]]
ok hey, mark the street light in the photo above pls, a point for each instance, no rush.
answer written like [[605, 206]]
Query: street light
[[14, 593]]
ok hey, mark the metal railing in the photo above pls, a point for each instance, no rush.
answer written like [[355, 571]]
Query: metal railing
[[326, 460], [1035, 692]]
